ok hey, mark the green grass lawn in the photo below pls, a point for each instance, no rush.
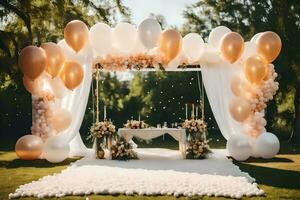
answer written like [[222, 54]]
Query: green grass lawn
[[278, 177]]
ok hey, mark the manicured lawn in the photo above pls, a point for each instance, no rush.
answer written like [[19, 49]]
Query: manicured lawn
[[278, 177]]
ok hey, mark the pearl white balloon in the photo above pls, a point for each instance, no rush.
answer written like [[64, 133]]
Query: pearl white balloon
[[210, 55], [249, 50], [238, 147], [193, 46], [124, 37], [267, 145], [255, 37], [101, 38], [58, 87], [54, 151], [216, 35], [68, 52], [149, 31]]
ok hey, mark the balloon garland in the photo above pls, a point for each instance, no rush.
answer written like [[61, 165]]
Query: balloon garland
[[49, 72], [253, 89]]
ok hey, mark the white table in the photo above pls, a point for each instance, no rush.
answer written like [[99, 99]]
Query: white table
[[150, 133]]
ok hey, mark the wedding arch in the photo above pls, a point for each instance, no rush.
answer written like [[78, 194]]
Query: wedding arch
[[238, 77]]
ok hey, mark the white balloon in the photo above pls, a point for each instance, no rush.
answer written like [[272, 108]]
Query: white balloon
[[249, 50], [55, 151], [210, 55], [58, 87], [267, 145], [238, 147], [139, 47], [216, 35], [68, 52], [255, 37], [124, 37], [254, 154], [149, 31], [101, 38], [193, 46]]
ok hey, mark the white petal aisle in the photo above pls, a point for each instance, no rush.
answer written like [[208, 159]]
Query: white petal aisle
[[158, 172]]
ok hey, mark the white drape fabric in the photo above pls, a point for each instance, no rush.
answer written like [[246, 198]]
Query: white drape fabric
[[76, 101], [217, 75]]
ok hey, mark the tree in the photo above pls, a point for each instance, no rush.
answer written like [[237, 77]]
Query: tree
[[34, 22], [252, 16]]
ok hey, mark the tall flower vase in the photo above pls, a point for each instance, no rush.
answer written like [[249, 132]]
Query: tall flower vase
[[99, 152]]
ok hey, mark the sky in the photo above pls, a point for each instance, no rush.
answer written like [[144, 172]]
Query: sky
[[171, 9]]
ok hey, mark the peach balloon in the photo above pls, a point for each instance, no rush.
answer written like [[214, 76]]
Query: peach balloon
[[268, 45], [32, 86], [232, 46], [32, 61], [72, 74], [29, 147], [240, 109], [76, 34], [55, 58], [240, 87], [255, 69], [60, 119], [170, 43]]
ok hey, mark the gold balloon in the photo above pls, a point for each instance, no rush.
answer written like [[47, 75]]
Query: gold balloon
[[170, 43], [29, 147], [240, 109], [232, 46], [32, 61], [76, 34], [255, 69], [60, 119], [239, 87], [268, 46], [55, 58], [71, 74], [32, 86]]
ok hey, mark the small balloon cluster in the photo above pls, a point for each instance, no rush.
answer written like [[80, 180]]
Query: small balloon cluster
[[41, 108], [124, 47], [48, 75], [252, 88]]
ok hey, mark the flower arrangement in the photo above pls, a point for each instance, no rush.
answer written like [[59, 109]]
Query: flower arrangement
[[134, 124], [136, 61], [101, 129], [198, 149], [102, 133], [122, 150], [194, 126]]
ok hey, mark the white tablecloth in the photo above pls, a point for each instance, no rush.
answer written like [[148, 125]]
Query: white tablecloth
[[150, 133]]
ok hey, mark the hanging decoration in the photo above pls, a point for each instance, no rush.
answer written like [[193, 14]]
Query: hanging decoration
[[232, 46], [55, 58], [53, 72], [76, 34], [32, 61], [253, 88]]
